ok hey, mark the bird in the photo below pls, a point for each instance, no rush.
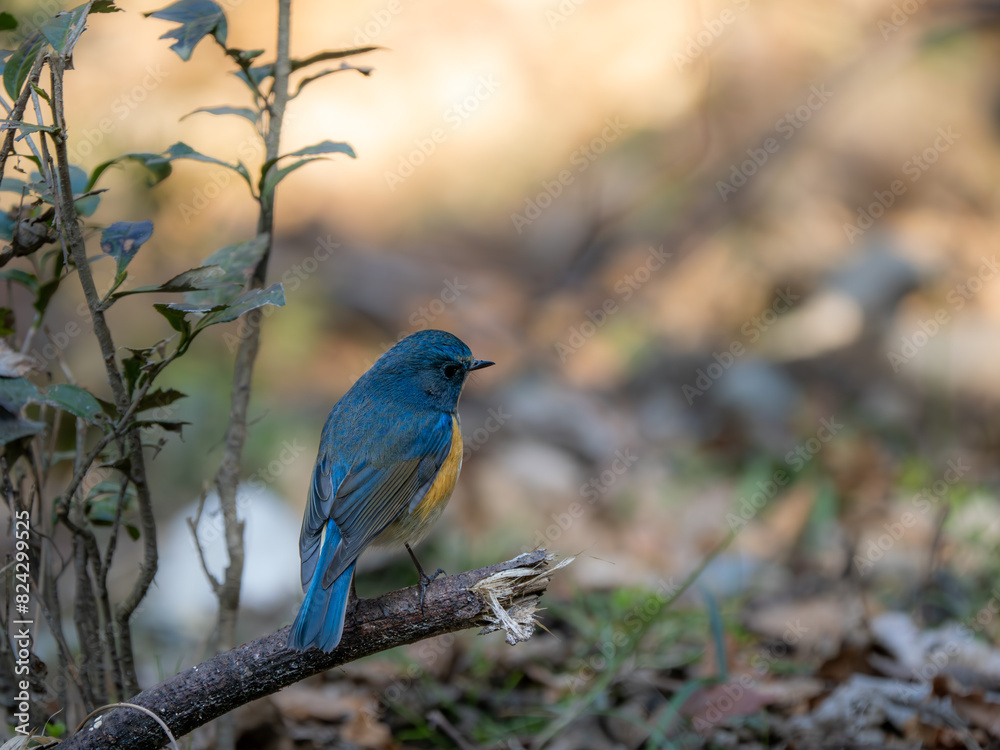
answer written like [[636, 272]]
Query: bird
[[389, 456]]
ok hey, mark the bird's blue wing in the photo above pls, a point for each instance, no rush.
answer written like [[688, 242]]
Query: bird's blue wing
[[365, 498]]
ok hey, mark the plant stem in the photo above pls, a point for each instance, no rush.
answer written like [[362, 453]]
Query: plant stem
[[228, 477], [136, 467]]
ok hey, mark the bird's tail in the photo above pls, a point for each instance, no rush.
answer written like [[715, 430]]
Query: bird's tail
[[320, 621]]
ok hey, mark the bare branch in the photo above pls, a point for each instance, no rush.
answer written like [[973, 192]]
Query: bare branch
[[264, 666]]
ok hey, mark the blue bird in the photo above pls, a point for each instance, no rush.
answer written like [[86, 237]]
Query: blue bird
[[388, 461]]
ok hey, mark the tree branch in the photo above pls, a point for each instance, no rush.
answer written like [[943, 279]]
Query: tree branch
[[264, 666]]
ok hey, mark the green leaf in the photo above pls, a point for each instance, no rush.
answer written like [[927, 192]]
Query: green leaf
[[181, 150], [73, 399], [133, 531], [156, 166], [330, 54], [271, 176], [13, 185], [330, 71], [251, 300], [14, 427], [197, 19], [6, 322], [176, 318], [63, 30], [45, 293], [123, 239], [132, 367], [204, 277], [102, 502], [274, 176], [15, 393], [238, 262], [256, 76], [19, 64], [28, 128], [21, 277], [246, 112], [7, 21], [104, 6], [159, 398], [326, 147]]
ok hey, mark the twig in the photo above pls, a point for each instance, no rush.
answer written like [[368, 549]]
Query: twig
[[198, 695], [70, 230], [17, 113], [228, 476]]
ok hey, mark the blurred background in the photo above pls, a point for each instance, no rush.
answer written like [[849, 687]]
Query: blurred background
[[736, 262]]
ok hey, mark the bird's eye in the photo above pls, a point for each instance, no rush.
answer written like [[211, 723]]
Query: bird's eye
[[451, 370]]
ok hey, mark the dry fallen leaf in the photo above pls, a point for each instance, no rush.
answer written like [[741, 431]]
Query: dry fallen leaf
[[13, 364]]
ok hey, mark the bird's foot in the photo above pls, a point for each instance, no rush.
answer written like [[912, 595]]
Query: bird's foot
[[425, 580]]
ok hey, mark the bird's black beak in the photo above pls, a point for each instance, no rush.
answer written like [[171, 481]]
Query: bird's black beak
[[479, 364]]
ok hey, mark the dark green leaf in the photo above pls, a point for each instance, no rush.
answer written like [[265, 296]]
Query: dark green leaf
[[251, 300], [272, 176], [76, 400], [13, 185], [170, 425], [45, 293], [65, 28], [197, 18], [27, 128], [7, 21], [238, 261], [176, 318], [324, 73], [16, 392], [6, 321], [256, 77], [326, 147], [330, 54], [21, 277], [104, 6], [14, 427], [123, 239], [19, 64], [157, 167], [205, 277], [133, 531], [159, 398], [246, 112], [181, 150]]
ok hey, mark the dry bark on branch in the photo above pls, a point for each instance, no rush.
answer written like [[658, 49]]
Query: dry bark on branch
[[501, 596]]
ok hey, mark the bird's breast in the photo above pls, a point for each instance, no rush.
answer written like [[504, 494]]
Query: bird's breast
[[415, 522]]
